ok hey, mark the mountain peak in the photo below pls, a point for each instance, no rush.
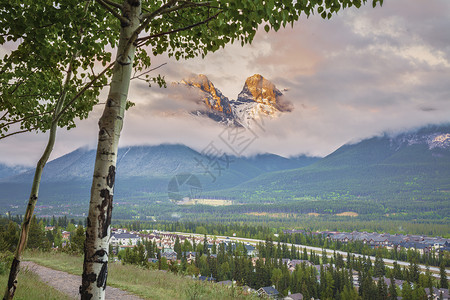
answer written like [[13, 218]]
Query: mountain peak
[[213, 97], [260, 90], [259, 97], [201, 81]]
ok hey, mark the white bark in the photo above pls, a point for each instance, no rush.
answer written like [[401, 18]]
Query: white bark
[[25, 227], [95, 267]]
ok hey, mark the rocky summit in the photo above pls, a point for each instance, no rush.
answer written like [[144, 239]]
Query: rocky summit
[[217, 106], [259, 98]]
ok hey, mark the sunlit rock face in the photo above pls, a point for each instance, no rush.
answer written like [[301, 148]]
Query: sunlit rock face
[[259, 98], [260, 90], [213, 98]]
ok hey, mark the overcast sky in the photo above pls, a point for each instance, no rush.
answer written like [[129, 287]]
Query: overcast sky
[[362, 73]]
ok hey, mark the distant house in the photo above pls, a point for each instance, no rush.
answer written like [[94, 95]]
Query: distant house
[[123, 247], [251, 250], [420, 247], [388, 282], [65, 235], [437, 293], [291, 265], [341, 237], [297, 296], [269, 292], [124, 239], [190, 256], [172, 256], [47, 228], [379, 241]]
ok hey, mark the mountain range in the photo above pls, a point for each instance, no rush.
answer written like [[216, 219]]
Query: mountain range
[[409, 166], [259, 98], [411, 169]]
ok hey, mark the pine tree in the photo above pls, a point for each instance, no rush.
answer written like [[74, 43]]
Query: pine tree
[[305, 254], [279, 253], [392, 289], [414, 271], [406, 291], [10, 237], [77, 240], [324, 256], [381, 289], [205, 245], [379, 267], [443, 282], [397, 271], [177, 247], [36, 237], [293, 252]]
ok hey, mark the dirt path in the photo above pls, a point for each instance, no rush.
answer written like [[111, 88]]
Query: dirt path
[[69, 284]]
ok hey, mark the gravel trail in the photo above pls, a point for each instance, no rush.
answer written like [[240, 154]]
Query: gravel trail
[[69, 284]]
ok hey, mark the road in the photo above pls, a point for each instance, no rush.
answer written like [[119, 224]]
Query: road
[[434, 270]]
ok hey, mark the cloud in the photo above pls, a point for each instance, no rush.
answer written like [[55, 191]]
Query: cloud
[[363, 72]]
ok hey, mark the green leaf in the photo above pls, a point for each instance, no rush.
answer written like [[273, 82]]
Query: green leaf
[[267, 28]]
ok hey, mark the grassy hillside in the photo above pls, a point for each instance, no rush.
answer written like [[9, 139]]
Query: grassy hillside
[[32, 288], [148, 284]]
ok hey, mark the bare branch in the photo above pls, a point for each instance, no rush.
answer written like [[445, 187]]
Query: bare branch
[[141, 41], [17, 132], [121, 18], [146, 72], [24, 118]]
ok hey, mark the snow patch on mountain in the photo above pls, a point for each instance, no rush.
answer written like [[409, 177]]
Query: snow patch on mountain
[[434, 140]]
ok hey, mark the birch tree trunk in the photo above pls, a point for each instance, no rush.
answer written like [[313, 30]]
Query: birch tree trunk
[[25, 227], [95, 266]]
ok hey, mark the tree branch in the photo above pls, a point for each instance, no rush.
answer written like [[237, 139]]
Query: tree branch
[[112, 3], [87, 86], [147, 18], [4, 115], [141, 41], [17, 86], [121, 18], [23, 119], [151, 15], [17, 132], [146, 72]]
